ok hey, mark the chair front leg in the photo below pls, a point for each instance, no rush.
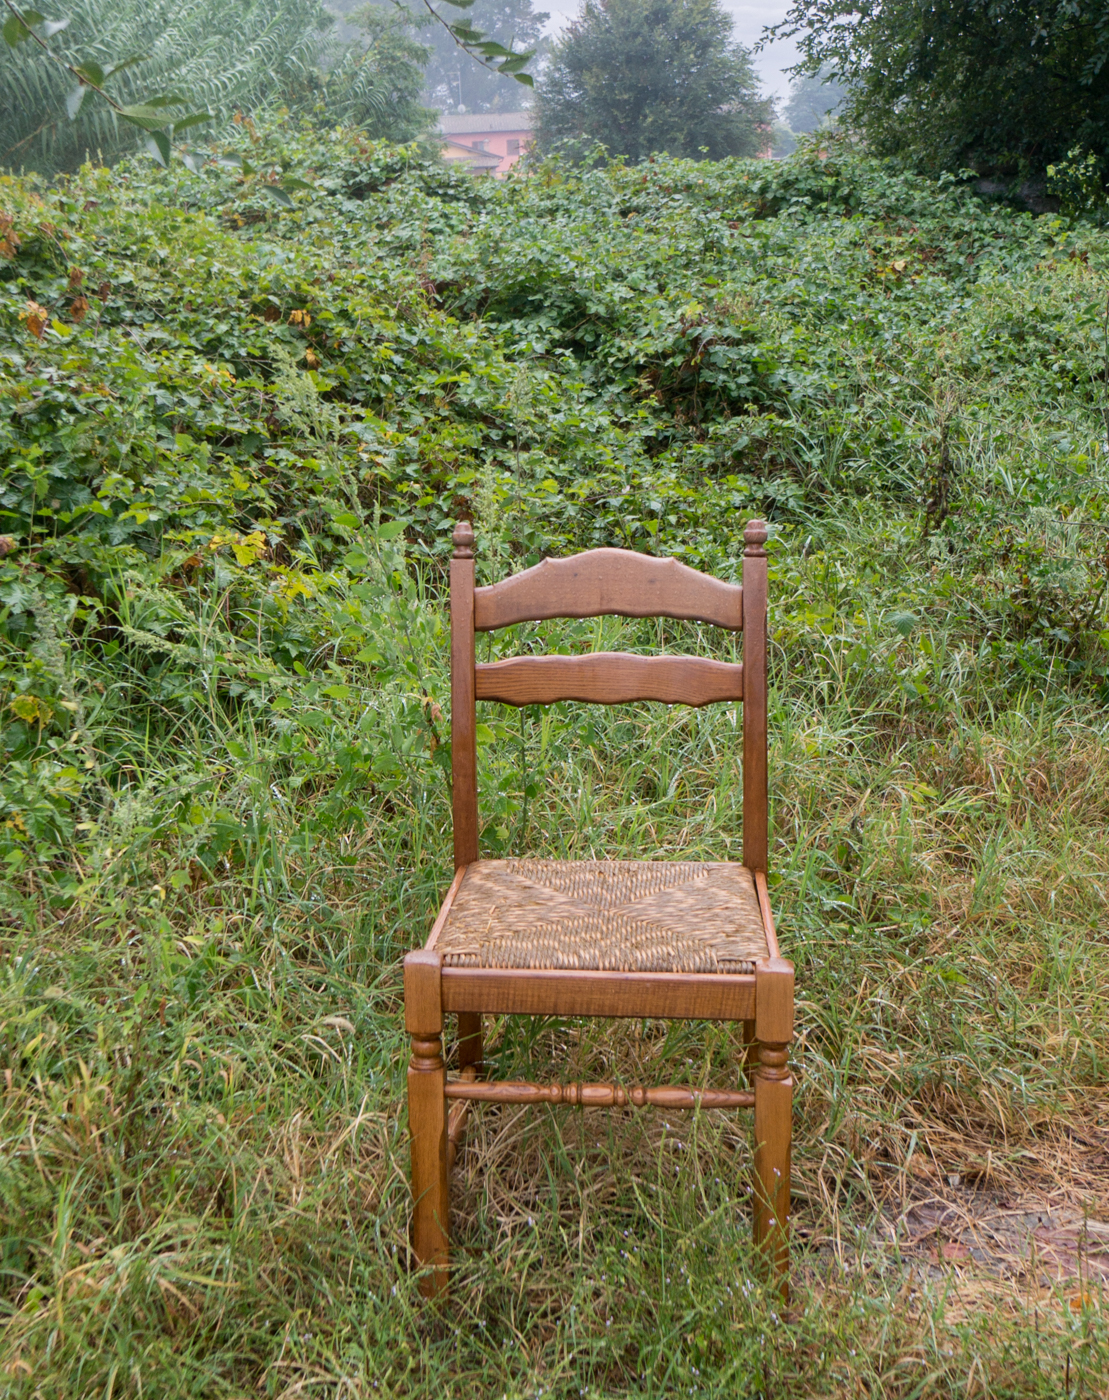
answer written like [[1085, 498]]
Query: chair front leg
[[427, 1120], [773, 1114]]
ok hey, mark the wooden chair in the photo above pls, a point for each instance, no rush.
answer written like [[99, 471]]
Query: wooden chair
[[681, 939]]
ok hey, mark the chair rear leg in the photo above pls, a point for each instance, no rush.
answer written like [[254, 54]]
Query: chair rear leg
[[470, 1047], [427, 1120], [773, 1114], [750, 1051]]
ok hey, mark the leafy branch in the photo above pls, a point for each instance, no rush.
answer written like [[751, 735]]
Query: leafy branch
[[482, 49], [153, 116]]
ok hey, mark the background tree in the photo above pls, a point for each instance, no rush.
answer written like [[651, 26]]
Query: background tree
[[374, 79], [1005, 87], [467, 57], [812, 98], [220, 53], [644, 76]]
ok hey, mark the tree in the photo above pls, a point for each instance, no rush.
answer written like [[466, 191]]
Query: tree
[[374, 80], [454, 81], [646, 76], [220, 54], [1004, 87], [812, 99]]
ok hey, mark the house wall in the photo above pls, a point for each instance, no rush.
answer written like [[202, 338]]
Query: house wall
[[496, 143]]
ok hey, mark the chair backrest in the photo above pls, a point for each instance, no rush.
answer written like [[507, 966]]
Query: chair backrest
[[608, 581]]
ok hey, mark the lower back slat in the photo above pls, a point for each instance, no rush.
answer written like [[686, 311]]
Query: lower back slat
[[609, 678]]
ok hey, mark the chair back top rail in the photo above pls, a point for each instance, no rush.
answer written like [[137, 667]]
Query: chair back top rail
[[603, 581], [609, 678]]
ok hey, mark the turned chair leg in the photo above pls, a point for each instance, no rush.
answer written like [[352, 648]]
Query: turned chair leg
[[427, 1120], [773, 1114]]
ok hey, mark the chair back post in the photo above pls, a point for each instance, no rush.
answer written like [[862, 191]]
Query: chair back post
[[755, 799], [463, 713]]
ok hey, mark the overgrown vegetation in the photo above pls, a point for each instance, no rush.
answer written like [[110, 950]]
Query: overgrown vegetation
[[1007, 88], [235, 436]]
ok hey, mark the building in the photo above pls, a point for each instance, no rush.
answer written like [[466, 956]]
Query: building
[[475, 161], [486, 141]]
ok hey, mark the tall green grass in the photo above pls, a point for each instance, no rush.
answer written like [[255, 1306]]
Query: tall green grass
[[203, 1137]]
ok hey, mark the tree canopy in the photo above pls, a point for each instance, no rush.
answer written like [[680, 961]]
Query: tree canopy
[[645, 76], [1004, 87], [221, 55], [375, 81], [812, 98]]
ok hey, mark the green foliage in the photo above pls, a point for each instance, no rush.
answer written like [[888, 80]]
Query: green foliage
[[235, 433], [1007, 87], [374, 84], [221, 56], [454, 81], [813, 98], [647, 76], [1078, 183]]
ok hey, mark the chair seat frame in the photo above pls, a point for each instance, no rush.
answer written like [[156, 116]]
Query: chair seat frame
[[599, 582]]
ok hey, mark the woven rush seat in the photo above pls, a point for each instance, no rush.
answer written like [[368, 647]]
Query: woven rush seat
[[605, 916]]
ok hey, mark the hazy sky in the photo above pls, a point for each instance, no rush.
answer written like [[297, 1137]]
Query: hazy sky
[[749, 18]]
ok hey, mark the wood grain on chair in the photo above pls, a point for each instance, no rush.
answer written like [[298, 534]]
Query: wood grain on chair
[[668, 939]]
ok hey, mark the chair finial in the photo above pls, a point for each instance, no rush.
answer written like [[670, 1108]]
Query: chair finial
[[463, 538], [754, 537]]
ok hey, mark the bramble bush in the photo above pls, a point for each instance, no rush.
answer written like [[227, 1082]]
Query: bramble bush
[[213, 403]]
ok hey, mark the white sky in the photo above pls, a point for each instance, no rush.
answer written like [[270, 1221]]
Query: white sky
[[749, 19]]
